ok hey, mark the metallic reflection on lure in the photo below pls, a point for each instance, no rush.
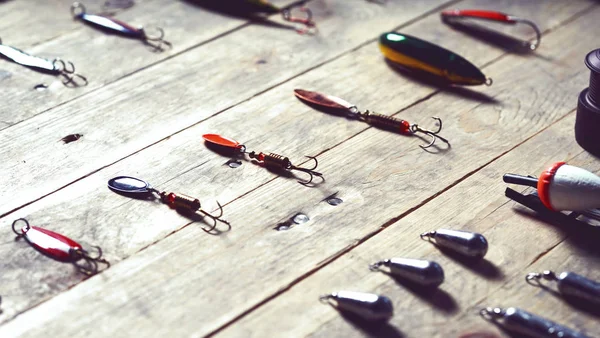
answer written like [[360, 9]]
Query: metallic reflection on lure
[[263, 6], [59, 247], [366, 305], [569, 284], [528, 324], [466, 243], [56, 67], [422, 272], [136, 186], [455, 15], [417, 54], [377, 120], [271, 160], [113, 25]]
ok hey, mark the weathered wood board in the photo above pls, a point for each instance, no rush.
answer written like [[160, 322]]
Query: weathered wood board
[[144, 114]]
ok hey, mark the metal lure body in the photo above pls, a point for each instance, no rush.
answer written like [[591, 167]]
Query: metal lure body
[[466, 243], [59, 247], [525, 323], [116, 26], [417, 54], [570, 284], [422, 272], [56, 67], [378, 120], [369, 306]]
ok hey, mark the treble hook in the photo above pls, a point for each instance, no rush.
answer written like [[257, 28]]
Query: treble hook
[[91, 266], [160, 41], [310, 25], [215, 218], [69, 74], [310, 171], [433, 134]]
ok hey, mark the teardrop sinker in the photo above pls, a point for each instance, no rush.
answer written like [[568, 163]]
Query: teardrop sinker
[[417, 54]]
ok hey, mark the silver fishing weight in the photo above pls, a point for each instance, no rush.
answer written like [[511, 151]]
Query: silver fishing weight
[[422, 272], [469, 244], [525, 323], [569, 284], [369, 306]]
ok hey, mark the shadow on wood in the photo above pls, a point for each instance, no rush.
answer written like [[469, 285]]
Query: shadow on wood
[[372, 328], [438, 298]]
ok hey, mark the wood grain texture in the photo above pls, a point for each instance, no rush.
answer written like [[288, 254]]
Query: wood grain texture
[[190, 275], [131, 100]]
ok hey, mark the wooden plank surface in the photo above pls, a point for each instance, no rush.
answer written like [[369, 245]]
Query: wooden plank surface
[[171, 277]]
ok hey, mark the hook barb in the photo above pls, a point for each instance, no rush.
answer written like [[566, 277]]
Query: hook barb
[[309, 171], [431, 133], [215, 218]]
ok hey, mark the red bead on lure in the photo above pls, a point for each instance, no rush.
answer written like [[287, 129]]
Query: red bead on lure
[[59, 247], [454, 16], [377, 120], [563, 187], [270, 160]]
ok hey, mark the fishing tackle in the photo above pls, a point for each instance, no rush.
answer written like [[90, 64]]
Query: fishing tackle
[[562, 187], [59, 247], [272, 161], [118, 4], [56, 67], [413, 53], [569, 284], [525, 323], [470, 244], [378, 120], [422, 272], [265, 7], [116, 26], [453, 16], [135, 186], [369, 306]]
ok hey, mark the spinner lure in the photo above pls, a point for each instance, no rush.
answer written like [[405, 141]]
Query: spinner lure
[[528, 324], [265, 7], [57, 67], [271, 161], [115, 26], [569, 284], [59, 247], [378, 120], [416, 54], [561, 187], [456, 16], [136, 187]]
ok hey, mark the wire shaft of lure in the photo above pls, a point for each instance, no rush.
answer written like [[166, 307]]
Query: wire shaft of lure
[[78, 11], [56, 66], [135, 186], [59, 247], [270, 160]]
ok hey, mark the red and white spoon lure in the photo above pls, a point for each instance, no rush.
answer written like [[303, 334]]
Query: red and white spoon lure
[[563, 187], [59, 247], [453, 16], [271, 161], [378, 120]]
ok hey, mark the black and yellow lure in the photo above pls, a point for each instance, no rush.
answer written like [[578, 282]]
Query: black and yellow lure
[[417, 54]]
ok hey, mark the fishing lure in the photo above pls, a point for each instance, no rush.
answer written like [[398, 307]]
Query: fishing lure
[[469, 244], [453, 16], [56, 67], [59, 247], [366, 305], [525, 323], [416, 54], [135, 186], [271, 161], [263, 6], [422, 272], [378, 120], [561, 187], [116, 26], [569, 284]]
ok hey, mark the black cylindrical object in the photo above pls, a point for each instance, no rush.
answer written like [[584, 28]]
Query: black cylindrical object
[[587, 123]]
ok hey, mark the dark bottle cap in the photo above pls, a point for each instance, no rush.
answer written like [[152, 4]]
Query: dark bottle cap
[[587, 123]]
